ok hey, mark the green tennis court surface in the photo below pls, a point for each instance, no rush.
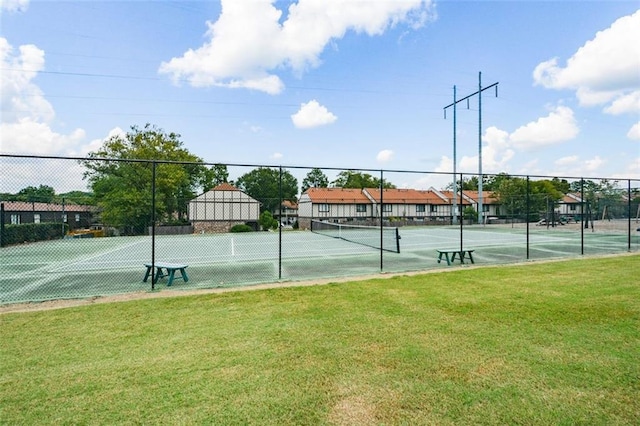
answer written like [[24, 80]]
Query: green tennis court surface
[[81, 268]]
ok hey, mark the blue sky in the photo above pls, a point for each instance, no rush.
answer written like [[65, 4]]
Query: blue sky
[[345, 84]]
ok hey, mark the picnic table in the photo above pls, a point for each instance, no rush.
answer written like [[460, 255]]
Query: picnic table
[[455, 252], [164, 269]]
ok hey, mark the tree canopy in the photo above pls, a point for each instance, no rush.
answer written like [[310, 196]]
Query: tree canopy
[[358, 180], [122, 183], [511, 192], [315, 179], [263, 184]]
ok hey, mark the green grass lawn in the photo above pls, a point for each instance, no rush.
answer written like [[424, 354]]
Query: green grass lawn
[[548, 343]]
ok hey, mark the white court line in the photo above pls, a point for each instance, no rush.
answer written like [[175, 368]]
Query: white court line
[[88, 258]]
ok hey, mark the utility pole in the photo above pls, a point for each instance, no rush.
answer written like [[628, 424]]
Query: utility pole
[[455, 102]]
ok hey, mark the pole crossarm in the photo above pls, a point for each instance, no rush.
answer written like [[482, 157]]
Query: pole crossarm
[[480, 177], [470, 96]]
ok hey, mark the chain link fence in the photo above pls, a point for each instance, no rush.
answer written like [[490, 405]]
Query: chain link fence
[[85, 227]]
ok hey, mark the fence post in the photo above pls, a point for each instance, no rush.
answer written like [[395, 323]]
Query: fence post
[[527, 213], [1, 224], [582, 213], [461, 211], [381, 219], [280, 225], [629, 215], [153, 225]]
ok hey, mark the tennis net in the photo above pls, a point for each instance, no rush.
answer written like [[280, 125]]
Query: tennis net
[[385, 238]]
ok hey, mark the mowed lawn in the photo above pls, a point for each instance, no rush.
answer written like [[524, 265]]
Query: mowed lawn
[[543, 343]]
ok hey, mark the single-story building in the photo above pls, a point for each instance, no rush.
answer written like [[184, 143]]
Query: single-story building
[[222, 207], [76, 216]]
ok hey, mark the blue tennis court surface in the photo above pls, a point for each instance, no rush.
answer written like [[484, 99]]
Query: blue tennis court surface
[[81, 268]]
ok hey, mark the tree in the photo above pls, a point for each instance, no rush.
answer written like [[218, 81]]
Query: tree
[[263, 184], [122, 184], [470, 214], [215, 175], [41, 194], [512, 194], [470, 184], [315, 179], [267, 221], [561, 185], [359, 180], [76, 197]]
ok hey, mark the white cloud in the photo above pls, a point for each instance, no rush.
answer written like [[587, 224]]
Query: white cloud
[[633, 169], [634, 132], [20, 97], [14, 5], [606, 64], [27, 115], [445, 165], [384, 156], [276, 156], [312, 114], [625, 104], [251, 39], [566, 161], [559, 126], [28, 136], [602, 72]]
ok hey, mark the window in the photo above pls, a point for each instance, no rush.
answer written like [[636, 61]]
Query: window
[[434, 209], [77, 217], [420, 208], [361, 208], [15, 219], [387, 208], [36, 218], [573, 207], [323, 208], [485, 208], [64, 217]]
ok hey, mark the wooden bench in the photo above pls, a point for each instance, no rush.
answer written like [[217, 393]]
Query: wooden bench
[[170, 269], [455, 252]]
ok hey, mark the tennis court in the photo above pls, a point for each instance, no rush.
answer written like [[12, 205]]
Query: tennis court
[[82, 268]]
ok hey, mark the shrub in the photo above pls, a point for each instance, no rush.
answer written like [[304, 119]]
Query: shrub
[[241, 228], [267, 221], [31, 232]]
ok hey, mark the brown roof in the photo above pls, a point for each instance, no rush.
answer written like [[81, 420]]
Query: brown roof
[[27, 206], [225, 187], [405, 196], [289, 204], [337, 195], [449, 196], [488, 197], [571, 198]]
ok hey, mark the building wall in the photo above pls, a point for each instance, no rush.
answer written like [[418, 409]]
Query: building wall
[[216, 227], [224, 206]]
